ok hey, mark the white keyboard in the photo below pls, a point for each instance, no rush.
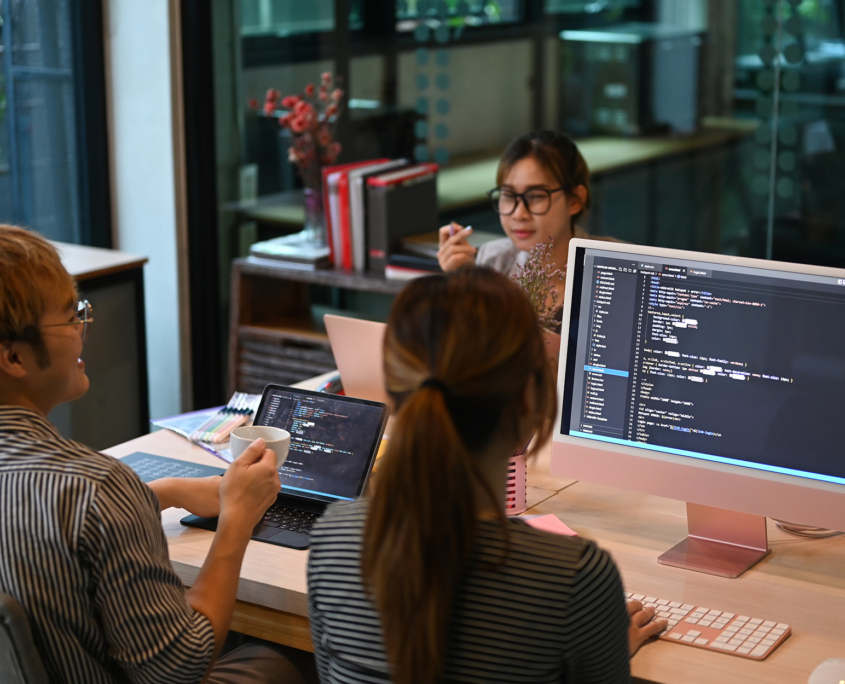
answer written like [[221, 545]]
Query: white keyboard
[[715, 630]]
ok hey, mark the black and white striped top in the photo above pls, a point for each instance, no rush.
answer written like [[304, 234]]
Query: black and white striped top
[[83, 551], [553, 612]]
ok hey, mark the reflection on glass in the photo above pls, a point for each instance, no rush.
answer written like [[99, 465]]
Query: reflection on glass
[[588, 6], [287, 17], [790, 74], [38, 157], [410, 13]]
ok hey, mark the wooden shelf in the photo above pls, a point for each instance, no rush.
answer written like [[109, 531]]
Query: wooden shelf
[[273, 336], [298, 331], [331, 277]]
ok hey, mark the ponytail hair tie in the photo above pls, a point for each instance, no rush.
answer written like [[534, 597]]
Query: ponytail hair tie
[[439, 385]]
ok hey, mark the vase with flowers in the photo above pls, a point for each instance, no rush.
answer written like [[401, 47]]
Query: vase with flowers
[[541, 279], [311, 119]]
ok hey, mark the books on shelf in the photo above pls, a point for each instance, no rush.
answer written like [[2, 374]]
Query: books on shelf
[[373, 210], [293, 249], [331, 209], [408, 266], [401, 202], [370, 205], [358, 210]]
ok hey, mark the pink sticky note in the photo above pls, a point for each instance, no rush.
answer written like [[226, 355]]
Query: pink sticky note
[[551, 523]]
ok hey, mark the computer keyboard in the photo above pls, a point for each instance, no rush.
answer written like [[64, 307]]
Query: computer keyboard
[[149, 467], [289, 519], [716, 630]]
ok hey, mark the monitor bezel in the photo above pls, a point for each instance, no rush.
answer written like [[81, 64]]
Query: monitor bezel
[[374, 445], [710, 483]]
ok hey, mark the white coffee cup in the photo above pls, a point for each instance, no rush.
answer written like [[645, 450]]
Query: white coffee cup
[[276, 439]]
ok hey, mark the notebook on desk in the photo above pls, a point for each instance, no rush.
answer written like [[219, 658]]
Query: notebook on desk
[[334, 442]]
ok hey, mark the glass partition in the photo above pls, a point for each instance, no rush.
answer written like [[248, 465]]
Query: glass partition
[[712, 125], [39, 186]]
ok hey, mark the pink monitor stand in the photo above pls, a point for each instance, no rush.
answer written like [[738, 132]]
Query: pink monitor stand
[[720, 542], [727, 506]]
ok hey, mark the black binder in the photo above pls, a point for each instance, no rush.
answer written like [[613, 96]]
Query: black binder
[[399, 203]]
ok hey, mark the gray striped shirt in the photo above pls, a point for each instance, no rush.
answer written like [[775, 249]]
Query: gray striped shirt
[[554, 611], [83, 551]]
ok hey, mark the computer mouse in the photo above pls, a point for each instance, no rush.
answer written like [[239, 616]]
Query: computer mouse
[[831, 671]]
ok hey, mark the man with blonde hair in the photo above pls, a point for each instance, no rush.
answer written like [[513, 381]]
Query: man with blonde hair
[[82, 546]]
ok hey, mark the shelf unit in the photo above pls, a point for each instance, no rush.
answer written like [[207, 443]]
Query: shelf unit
[[272, 336]]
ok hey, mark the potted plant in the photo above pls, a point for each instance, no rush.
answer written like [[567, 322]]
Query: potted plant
[[311, 119]]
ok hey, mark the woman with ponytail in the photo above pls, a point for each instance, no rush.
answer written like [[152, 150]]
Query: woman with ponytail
[[426, 580]]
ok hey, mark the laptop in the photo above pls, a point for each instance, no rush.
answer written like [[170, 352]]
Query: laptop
[[333, 445], [357, 348]]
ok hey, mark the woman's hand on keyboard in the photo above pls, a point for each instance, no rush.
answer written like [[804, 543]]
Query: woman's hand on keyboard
[[643, 626]]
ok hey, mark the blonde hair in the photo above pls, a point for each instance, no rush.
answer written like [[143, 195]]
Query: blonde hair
[[31, 277], [460, 352]]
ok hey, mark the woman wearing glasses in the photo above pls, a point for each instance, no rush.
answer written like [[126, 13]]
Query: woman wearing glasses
[[542, 188]]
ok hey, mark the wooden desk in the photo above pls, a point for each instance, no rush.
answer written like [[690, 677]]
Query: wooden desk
[[801, 582]]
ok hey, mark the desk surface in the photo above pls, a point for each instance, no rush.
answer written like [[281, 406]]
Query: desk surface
[[802, 582], [84, 263]]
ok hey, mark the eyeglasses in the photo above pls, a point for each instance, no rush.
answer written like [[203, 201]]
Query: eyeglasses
[[537, 201], [84, 315]]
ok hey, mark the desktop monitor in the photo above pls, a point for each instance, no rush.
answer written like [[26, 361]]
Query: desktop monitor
[[715, 380]]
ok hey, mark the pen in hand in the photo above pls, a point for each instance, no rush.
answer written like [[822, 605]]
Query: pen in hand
[[454, 226]]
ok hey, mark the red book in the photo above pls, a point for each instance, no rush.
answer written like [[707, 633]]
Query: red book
[[331, 231], [345, 224]]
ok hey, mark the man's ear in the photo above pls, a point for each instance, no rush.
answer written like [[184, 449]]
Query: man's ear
[[577, 199], [11, 361]]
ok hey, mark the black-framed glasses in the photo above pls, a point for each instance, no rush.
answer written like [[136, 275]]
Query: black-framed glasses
[[84, 316], [537, 201]]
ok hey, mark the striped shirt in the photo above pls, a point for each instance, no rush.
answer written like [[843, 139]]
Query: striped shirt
[[83, 551], [554, 611]]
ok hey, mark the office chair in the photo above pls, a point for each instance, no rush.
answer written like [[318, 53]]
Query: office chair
[[19, 661]]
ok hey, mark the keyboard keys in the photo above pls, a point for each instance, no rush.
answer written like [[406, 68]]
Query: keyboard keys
[[741, 635], [724, 647], [289, 519]]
